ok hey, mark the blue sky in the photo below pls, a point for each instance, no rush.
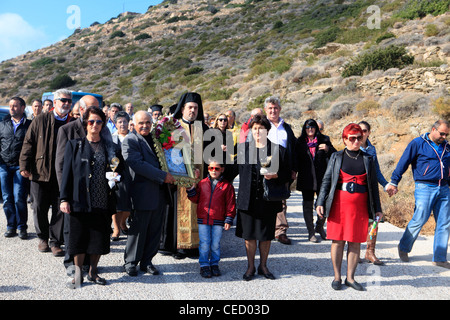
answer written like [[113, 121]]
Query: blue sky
[[32, 25]]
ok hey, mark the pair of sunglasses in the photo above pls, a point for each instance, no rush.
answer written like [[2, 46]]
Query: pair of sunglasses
[[91, 122], [214, 169], [352, 139], [64, 100]]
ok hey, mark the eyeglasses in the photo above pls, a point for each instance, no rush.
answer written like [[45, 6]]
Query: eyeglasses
[[365, 130], [214, 169], [309, 127], [222, 119], [353, 139], [64, 100], [443, 134], [91, 122]]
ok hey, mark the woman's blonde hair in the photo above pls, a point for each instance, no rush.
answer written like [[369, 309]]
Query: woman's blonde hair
[[216, 122]]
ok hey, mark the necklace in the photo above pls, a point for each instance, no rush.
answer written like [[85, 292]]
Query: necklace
[[354, 158]]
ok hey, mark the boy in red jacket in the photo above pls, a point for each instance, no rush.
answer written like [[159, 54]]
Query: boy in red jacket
[[216, 209]]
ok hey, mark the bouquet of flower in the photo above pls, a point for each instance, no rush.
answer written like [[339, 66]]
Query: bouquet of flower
[[164, 129]]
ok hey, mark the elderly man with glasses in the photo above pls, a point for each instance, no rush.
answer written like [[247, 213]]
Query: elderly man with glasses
[[37, 163]]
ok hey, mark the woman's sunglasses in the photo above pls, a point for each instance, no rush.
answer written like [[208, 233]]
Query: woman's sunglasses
[[91, 122], [222, 119], [353, 139]]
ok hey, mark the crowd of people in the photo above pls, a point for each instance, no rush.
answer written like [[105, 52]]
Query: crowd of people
[[97, 168]]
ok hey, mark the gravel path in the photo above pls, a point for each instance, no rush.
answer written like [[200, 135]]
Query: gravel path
[[303, 271]]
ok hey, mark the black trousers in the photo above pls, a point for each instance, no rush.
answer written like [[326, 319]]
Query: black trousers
[[144, 234], [46, 194]]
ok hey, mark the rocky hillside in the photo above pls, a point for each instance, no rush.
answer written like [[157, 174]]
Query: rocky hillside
[[383, 61]]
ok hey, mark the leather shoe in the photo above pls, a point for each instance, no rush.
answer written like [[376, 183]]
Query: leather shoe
[[336, 285], [97, 280], [57, 251], [443, 264], [131, 271], [43, 246], [283, 239], [151, 269], [249, 276], [205, 272], [267, 275], [179, 255], [23, 234], [403, 255], [10, 233], [215, 271], [355, 285]]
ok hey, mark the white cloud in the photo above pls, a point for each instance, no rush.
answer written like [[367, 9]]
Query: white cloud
[[17, 36]]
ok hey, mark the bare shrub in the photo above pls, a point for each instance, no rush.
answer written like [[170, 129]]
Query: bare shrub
[[410, 104], [340, 110]]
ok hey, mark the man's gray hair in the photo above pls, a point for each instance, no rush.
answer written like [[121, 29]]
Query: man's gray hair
[[116, 105], [438, 123], [62, 92], [272, 99]]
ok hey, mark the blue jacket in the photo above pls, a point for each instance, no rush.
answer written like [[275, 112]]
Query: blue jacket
[[428, 165], [371, 151]]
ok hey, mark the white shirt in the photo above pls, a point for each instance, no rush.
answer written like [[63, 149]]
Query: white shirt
[[278, 134]]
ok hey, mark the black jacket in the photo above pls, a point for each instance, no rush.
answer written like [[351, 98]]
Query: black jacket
[[245, 172], [310, 171], [10, 142], [77, 171], [330, 181]]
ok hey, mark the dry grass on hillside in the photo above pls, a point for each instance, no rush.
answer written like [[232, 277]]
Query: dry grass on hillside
[[399, 210]]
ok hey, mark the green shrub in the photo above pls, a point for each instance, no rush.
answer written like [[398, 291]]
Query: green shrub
[[380, 59], [117, 34], [277, 25], [328, 35], [42, 62], [61, 81], [420, 8], [193, 70], [142, 36], [387, 35]]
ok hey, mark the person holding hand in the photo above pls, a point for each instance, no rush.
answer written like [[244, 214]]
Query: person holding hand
[[348, 198]]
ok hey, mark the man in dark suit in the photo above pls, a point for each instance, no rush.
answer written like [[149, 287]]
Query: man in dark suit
[[147, 192]]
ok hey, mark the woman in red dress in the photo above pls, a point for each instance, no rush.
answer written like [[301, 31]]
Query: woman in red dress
[[348, 197]]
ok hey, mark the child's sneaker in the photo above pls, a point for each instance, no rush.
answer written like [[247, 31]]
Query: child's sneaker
[[205, 272], [215, 271]]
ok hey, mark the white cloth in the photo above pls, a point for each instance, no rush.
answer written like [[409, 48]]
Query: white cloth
[[112, 179]]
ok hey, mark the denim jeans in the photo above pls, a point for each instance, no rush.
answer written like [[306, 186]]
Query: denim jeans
[[209, 244], [14, 193], [430, 198]]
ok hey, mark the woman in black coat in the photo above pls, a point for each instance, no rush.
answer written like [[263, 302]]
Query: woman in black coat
[[313, 150], [256, 217], [86, 195]]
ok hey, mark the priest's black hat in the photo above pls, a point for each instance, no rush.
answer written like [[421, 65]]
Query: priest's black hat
[[156, 107], [189, 97]]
